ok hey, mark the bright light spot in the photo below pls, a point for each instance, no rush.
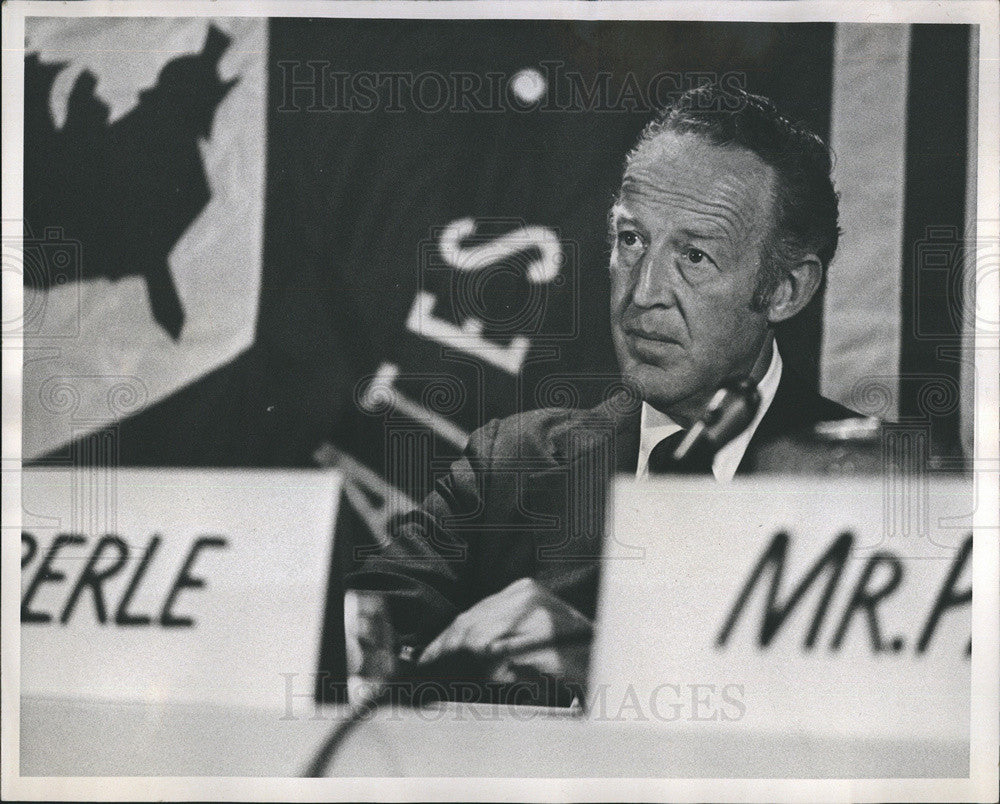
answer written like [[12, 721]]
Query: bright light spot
[[528, 84]]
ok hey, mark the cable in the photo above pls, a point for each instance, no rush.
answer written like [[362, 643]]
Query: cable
[[381, 695], [444, 667]]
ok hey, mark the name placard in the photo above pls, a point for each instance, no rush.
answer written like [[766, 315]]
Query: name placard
[[812, 610], [173, 585]]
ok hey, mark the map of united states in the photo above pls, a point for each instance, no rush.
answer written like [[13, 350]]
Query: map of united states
[[127, 190]]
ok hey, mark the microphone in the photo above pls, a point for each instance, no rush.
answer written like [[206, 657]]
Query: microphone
[[728, 413]]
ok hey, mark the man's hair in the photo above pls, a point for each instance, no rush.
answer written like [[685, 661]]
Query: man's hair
[[805, 206]]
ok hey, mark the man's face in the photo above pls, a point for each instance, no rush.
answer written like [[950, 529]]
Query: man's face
[[688, 231]]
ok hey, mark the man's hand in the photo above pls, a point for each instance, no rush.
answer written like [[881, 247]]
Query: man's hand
[[524, 630]]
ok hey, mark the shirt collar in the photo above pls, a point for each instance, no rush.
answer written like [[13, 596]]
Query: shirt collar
[[655, 425]]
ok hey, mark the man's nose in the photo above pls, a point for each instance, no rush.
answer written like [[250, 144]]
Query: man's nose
[[653, 283]]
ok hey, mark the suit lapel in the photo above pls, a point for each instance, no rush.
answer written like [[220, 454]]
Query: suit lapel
[[565, 502], [793, 408]]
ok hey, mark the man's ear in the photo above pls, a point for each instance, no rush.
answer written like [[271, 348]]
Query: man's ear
[[795, 290]]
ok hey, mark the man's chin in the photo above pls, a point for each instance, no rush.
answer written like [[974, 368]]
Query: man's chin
[[658, 386]]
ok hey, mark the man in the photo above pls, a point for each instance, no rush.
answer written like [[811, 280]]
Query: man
[[723, 228]]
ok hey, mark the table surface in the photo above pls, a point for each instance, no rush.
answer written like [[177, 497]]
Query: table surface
[[64, 737]]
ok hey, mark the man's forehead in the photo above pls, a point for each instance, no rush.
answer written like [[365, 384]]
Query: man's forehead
[[712, 223], [683, 174], [670, 160]]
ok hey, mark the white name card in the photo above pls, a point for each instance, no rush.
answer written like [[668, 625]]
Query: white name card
[[807, 610], [173, 585]]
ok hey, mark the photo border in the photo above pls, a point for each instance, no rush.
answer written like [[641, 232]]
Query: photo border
[[985, 666]]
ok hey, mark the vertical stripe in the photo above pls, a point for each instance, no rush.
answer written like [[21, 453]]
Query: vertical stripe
[[860, 351], [934, 238], [968, 368]]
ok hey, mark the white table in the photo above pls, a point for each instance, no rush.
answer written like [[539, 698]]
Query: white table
[[61, 737]]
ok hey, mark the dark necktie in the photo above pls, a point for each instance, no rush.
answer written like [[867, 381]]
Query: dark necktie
[[661, 459]]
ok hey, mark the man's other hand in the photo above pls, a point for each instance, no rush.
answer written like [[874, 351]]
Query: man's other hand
[[521, 632]]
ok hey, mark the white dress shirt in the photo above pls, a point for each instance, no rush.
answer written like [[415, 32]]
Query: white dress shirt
[[654, 426]]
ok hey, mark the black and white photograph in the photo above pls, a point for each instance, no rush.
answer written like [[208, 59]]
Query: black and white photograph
[[557, 401]]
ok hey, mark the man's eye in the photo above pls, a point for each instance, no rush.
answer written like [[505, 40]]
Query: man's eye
[[695, 255], [629, 239]]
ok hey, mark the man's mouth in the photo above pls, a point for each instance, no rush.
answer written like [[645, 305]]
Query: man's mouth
[[638, 335], [652, 348]]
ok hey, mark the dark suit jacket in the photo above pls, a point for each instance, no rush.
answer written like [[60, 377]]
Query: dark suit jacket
[[528, 499]]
